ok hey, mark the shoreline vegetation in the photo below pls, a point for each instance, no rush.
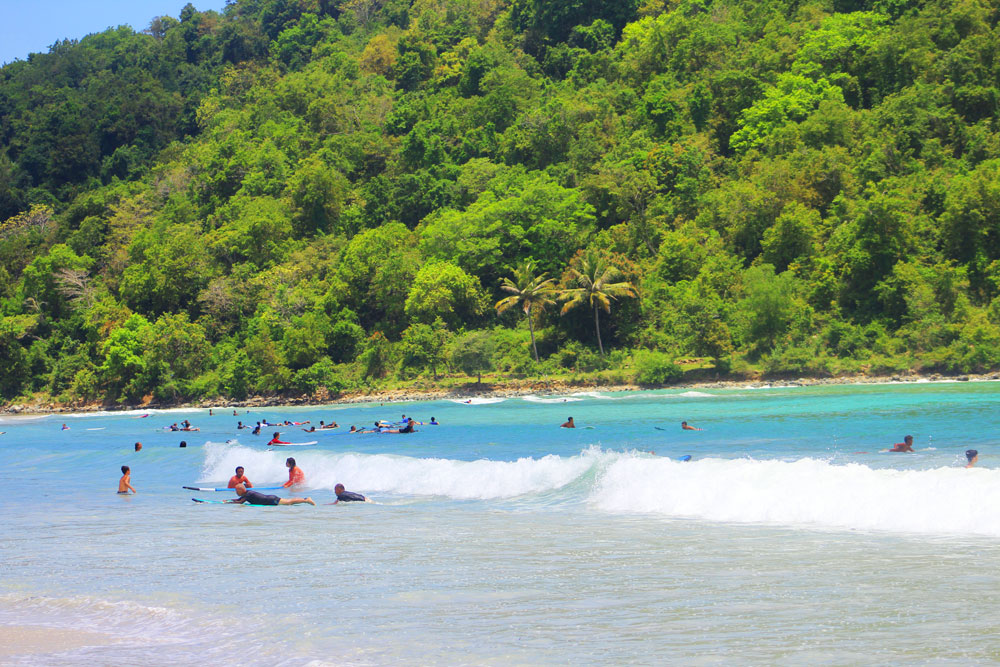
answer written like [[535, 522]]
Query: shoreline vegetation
[[497, 388], [344, 199]]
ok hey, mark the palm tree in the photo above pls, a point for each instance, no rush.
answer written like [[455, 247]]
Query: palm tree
[[528, 291], [597, 287]]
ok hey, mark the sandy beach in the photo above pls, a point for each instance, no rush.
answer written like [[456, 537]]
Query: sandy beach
[[505, 389], [38, 641]]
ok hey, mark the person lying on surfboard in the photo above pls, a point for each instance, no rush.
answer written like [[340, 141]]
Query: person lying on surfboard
[[568, 423], [686, 427], [330, 425], [295, 475], [905, 446], [277, 441], [258, 498]]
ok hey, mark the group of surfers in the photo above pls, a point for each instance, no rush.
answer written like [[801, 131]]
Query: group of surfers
[[245, 493]]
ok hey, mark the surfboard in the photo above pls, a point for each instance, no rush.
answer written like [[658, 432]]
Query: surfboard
[[686, 457], [99, 428], [293, 444], [223, 502], [208, 488]]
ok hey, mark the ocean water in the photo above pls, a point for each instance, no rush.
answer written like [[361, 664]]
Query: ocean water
[[498, 538]]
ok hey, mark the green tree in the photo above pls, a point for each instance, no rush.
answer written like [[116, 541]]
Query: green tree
[[599, 284], [472, 353], [529, 291]]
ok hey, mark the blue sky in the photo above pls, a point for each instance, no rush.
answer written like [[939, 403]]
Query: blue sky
[[31, 26]]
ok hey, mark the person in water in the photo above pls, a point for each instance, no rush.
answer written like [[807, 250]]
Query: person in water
[[258, 498], [972, 456], [125, 483], [183, 443], [138, 446], [277, 441], [433, 422], [687, 427], [295, 475], [905, 446], [239, 478], [241, 426], [65, 428], [568, 423], [344, 496]]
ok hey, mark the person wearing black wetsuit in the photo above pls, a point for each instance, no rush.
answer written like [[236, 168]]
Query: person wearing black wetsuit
[[344, 496], [251, 497]]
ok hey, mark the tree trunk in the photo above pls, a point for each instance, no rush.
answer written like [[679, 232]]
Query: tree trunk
[[597, 326], [531, 328]]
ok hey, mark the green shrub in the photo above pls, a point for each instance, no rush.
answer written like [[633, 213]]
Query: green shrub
[[652, 368]]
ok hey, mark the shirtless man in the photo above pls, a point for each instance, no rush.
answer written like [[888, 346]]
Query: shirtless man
[[125, 483], [686, 427], [568, 423], [972, 456]]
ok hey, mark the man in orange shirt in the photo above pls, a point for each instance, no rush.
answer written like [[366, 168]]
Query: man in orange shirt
[[239, 478], [295, 475]]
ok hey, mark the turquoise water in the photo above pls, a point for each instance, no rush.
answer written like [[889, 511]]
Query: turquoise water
[[499, 538]]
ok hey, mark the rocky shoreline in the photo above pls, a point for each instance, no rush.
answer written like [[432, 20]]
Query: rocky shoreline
[[497, 390]]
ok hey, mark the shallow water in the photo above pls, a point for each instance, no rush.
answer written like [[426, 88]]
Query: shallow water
[[499, 538]]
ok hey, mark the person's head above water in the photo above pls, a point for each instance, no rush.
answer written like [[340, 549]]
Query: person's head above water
[[138, 446], [240, 489], [289, 462], [908, 439], [971, 454], [276, 434], [338, 488]]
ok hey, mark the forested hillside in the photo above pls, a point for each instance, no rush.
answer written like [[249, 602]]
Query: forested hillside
[[305, 194]]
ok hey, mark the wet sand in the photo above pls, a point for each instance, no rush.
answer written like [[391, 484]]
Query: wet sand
[[38, 641]]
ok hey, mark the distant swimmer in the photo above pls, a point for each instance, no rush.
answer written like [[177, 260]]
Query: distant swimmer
[[277, 441], [241, 425], [344, 496], [295, 474], [687, 427], [905, 446], [433, 422], [353, 429], [239, 478], [257, 498], [568, 423], [125, 483], [235, 413], [65, 428], [468, 401], [972, 456], [138, 446], [183, 443]]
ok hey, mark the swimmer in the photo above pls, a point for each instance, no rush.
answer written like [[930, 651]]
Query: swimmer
[[905, 446], [568, 423], [686, 427], [257, 498], [125, 483], [433, 422], [295, 474], [138, 446], [344, 496], [277, 441], [239, 478], [65, 428], [972, 456], [183, 443], [241, 425]]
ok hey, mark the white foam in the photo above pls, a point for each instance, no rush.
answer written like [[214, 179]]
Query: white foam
[[531, 398], [404, 475], [806, 492], [478, 400]]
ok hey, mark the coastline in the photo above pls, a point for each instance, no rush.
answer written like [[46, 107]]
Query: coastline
[[503, 389]]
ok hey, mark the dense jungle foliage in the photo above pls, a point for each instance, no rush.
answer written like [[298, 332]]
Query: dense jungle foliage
[[304, 194]]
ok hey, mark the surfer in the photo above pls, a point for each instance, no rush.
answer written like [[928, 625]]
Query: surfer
[[138, 446], [568, 423], [240, 426], [239, 478], [344, 496], [65, 428], [687, 427], [433, 422], [311, 429], [330, 425], [905, 446], [258, 498], [276, 440], [295, 474], [183, 443], [125, 483], [972, 456]]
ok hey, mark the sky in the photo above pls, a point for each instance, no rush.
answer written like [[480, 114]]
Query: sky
[[32, 26]]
